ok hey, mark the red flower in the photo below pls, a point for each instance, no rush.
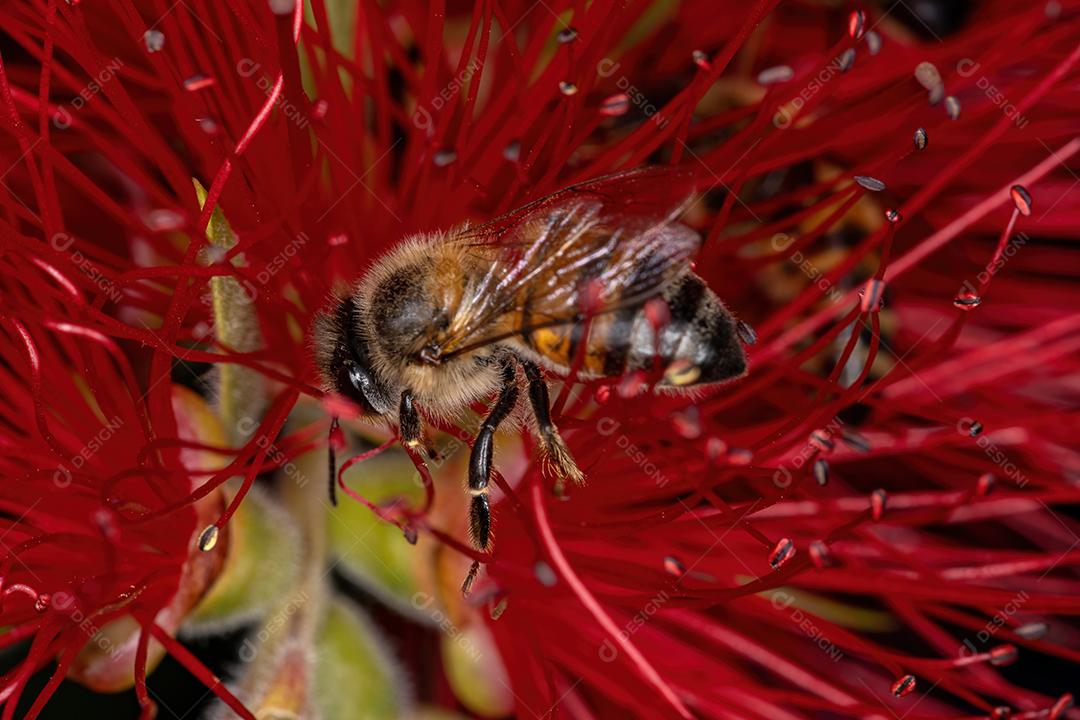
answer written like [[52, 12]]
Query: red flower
[[871, 518], [99, 551]]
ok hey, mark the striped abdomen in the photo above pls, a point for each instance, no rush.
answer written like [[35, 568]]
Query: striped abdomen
[[698, 344]]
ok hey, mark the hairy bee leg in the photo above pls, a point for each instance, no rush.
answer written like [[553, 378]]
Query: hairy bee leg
[[480, 458], [466, 585], [557, 457], [412, 433], [409, 420], [331, 458]]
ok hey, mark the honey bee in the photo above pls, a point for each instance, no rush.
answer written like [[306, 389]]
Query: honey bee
[[446, 320]]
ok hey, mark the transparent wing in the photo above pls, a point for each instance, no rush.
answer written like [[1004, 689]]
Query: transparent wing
[[589, 249]]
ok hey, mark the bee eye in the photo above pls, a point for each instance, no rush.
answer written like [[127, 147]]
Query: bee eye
[[355, 383], [360, 380]]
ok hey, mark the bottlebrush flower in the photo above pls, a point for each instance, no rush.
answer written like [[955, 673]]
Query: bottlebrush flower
[[99, 541], [871, 523]]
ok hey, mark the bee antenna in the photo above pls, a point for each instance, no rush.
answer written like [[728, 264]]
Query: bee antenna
[[335, 439]]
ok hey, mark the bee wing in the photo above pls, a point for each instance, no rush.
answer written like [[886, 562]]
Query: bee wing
[[645, 192], [591, 248]]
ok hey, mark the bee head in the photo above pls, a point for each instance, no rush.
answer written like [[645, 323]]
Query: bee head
[[344, 359]]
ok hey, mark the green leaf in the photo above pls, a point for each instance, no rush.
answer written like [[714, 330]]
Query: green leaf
[[357, 677], [341, 20], [475, 670], [262, 566], [435, 713], [654, 17], [374, 553], [341, 17]]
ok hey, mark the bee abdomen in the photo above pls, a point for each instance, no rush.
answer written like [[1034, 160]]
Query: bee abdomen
[[697, 345]]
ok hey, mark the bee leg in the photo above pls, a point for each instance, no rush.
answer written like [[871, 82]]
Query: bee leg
[[331, 459], [412, 434], [480, 459], [409, 420], [557, 458]]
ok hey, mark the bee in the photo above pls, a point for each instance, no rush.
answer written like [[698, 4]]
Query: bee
[[446, 320]]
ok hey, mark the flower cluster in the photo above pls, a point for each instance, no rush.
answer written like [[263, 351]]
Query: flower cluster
[[874, 521]]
